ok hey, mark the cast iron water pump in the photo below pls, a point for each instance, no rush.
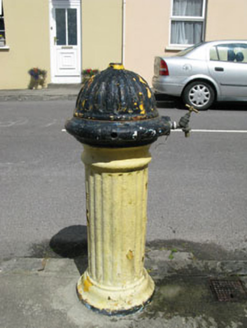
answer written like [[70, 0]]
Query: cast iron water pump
[[116, 120]]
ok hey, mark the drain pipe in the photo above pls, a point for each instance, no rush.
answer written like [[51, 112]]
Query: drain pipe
[[123, 30]]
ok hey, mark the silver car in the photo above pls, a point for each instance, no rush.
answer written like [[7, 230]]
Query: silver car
[[204, 73]]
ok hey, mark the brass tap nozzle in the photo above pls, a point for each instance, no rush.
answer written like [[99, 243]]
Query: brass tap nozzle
[[192, 109]]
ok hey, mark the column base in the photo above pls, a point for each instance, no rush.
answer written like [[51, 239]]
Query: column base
[[115, 300]]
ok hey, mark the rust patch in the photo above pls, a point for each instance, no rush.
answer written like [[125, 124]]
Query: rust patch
[[43, 263], [138, 118], [130, 255]]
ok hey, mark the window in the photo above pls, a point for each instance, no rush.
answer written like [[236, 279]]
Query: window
[[66, 26], [234, 52], [187, 22], [2, 28]]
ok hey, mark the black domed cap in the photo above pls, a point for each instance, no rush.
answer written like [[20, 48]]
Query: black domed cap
[[116, 94], [116, 108]]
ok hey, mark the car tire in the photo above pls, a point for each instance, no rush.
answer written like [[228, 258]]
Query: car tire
[[199, 94]]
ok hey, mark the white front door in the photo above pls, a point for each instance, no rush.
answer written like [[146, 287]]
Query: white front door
[[65, 32]]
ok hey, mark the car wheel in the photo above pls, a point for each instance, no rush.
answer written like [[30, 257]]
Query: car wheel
[[198, 94]]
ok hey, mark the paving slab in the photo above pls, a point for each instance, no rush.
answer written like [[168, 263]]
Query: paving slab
[[42, 293]]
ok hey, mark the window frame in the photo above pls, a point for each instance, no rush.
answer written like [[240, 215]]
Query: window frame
[[202, 19], [3, 31]]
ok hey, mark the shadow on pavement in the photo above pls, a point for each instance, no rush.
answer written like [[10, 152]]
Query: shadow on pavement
[[163, 101], [231, 106], [71, 242]]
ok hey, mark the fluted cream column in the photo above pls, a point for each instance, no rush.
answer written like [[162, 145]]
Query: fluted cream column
[[116, 198]]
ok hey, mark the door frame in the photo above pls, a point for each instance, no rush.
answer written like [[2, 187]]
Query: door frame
[[63, 4]]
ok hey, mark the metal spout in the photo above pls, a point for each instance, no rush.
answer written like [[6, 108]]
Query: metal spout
[[184, 121]]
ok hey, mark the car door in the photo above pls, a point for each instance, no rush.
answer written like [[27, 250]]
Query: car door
[[228, 67]]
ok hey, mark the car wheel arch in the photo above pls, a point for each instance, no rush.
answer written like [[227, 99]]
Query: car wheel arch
[[211, 83]]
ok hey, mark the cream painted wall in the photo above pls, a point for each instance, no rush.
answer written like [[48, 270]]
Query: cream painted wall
[[27, 35], [226, 19], [101, 33], [147, 29], [147, 34]]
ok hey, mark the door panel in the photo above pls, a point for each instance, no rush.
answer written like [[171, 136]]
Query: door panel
[[232, 78], [67, 62]]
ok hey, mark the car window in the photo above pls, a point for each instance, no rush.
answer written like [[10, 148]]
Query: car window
[[213, 54], [188, 50], [234, 52]]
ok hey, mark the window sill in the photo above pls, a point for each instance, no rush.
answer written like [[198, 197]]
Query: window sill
[[4, 48], [176, 48]]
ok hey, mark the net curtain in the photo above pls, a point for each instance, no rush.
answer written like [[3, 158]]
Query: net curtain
[[187, 32]]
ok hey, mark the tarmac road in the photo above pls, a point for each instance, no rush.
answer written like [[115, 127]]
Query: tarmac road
[[197, 185]]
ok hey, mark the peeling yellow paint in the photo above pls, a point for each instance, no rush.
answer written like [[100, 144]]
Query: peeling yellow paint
[[149, 93], [141, 80], [142, 109], [87, 284], [116, 66]]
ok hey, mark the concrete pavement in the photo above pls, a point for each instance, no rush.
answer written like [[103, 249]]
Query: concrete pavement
[[62, 92], [40, 292]]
